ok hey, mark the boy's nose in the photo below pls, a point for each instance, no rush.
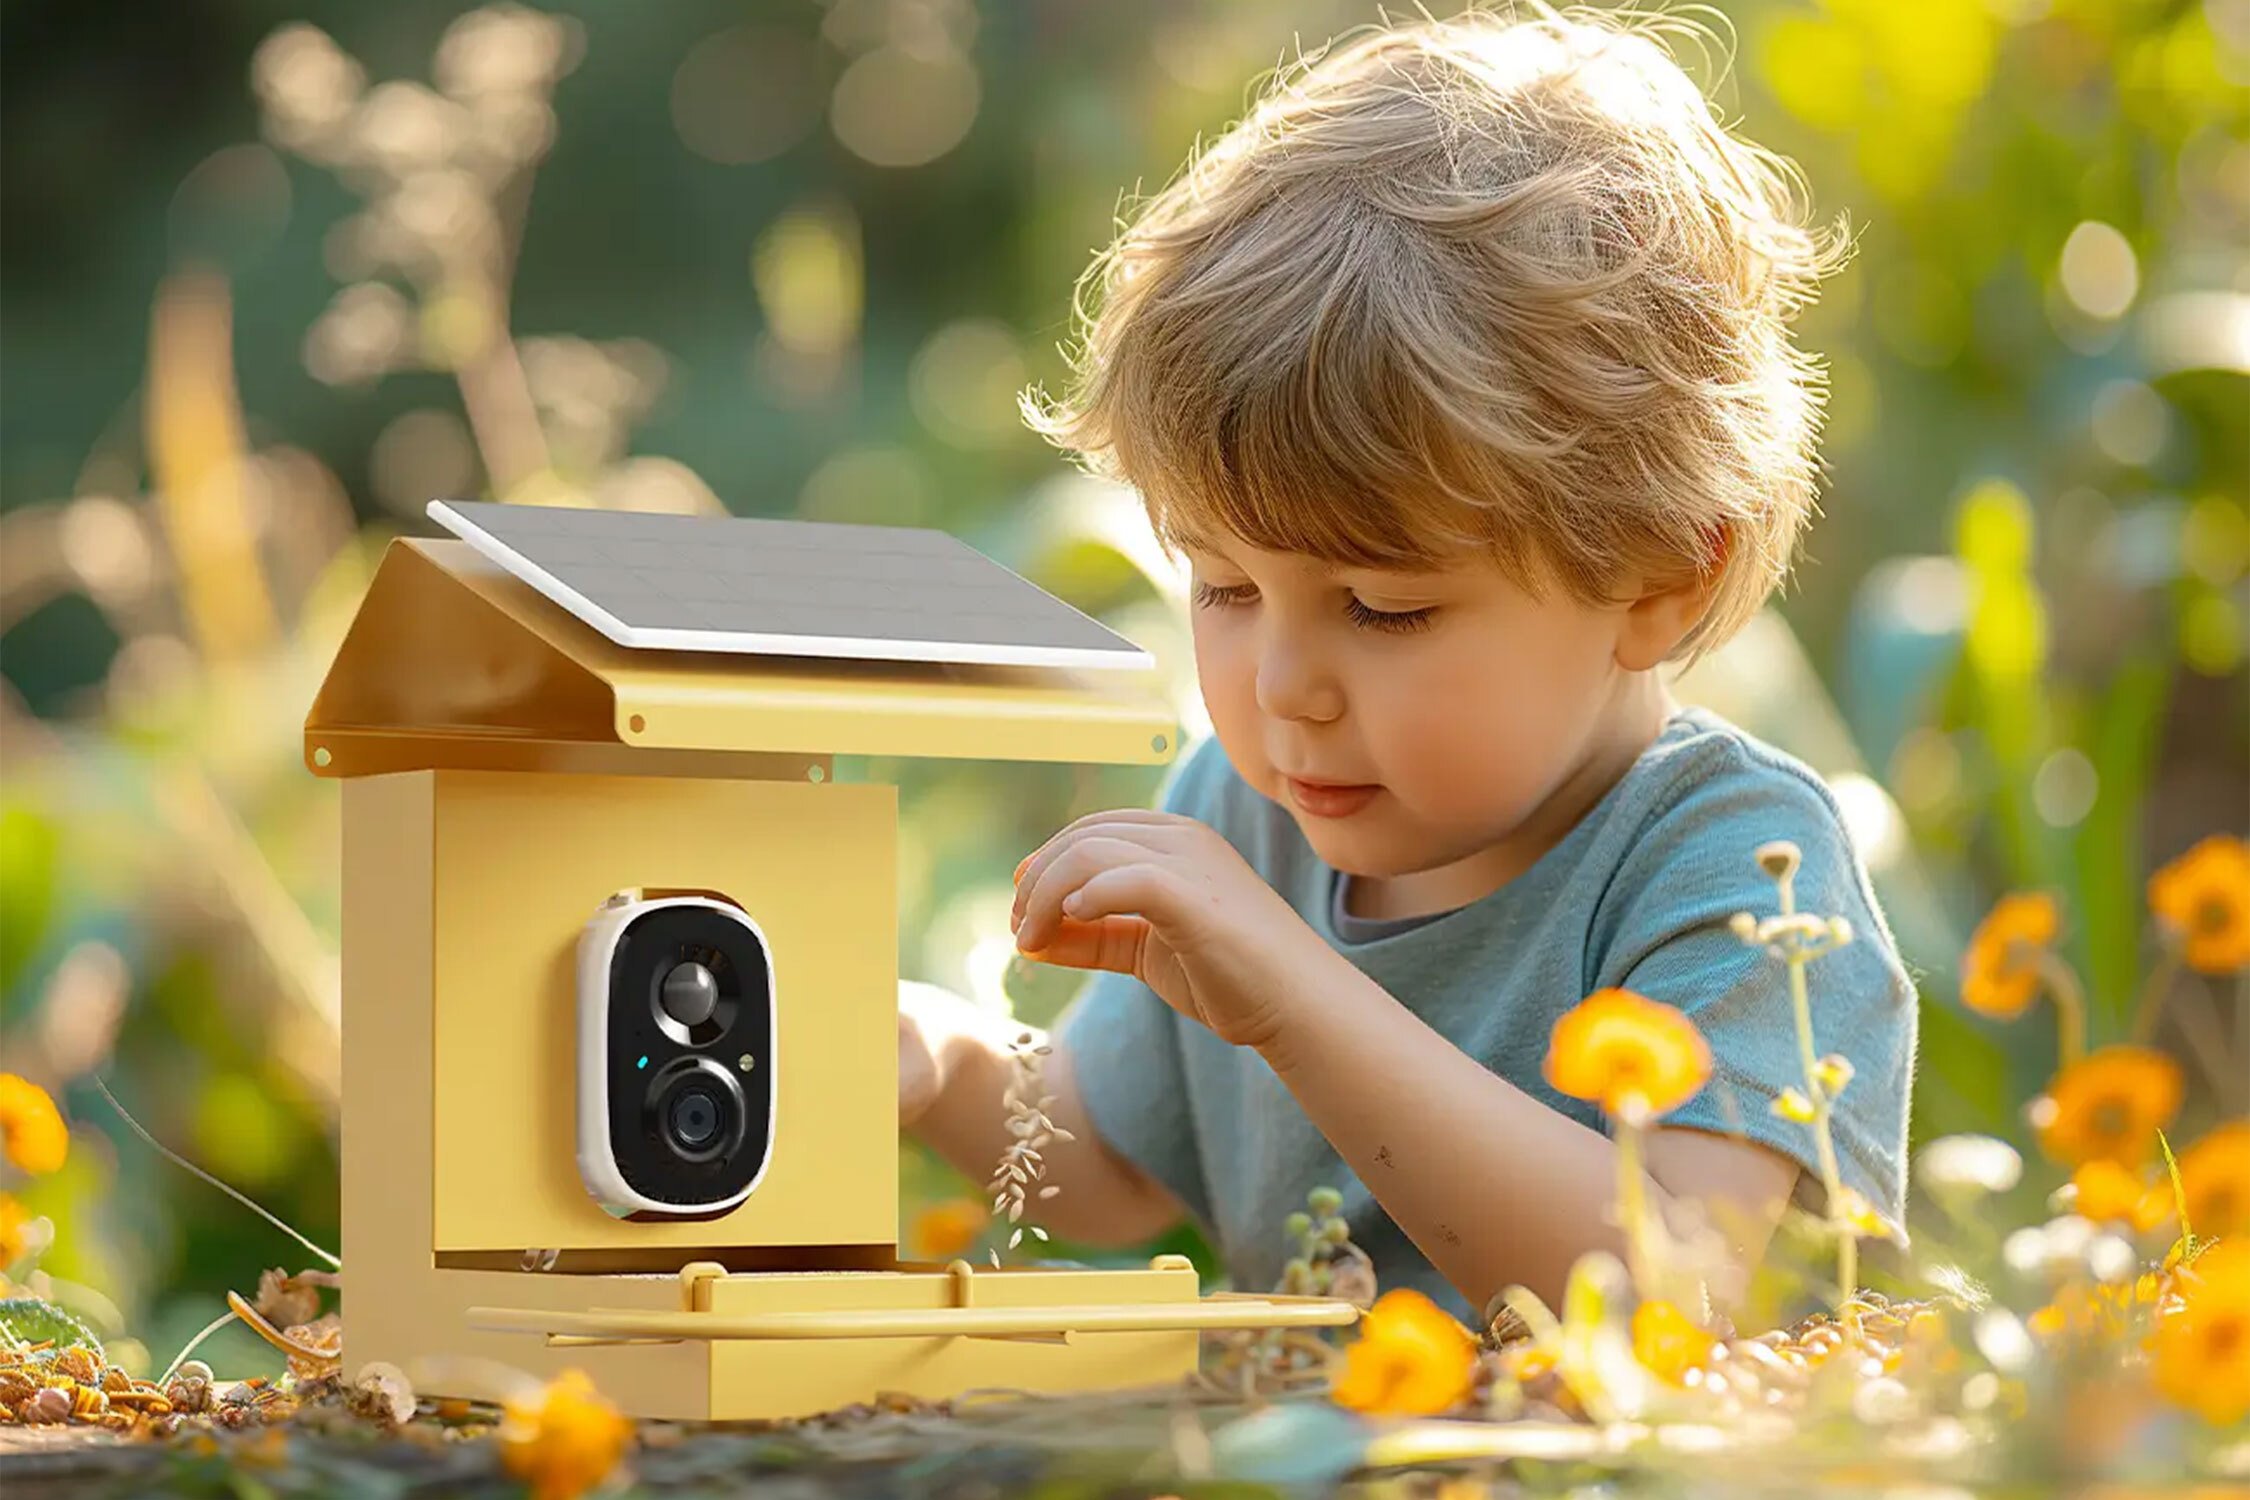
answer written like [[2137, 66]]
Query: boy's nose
[[1293, 686]]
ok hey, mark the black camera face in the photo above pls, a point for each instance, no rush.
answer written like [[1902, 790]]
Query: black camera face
[[690, 1044]]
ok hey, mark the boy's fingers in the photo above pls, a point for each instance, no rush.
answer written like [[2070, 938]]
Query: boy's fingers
[[1051, 881], [1140, 817], [1144, 833], [1113, 943]]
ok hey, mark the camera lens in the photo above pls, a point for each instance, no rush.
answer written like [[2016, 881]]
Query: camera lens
[[694, 1118], [696, 1112]]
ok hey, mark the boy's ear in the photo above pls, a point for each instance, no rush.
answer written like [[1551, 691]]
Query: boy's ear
[[1666, 610]]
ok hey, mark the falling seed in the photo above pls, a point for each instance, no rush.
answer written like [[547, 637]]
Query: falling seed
[[1015, 1239], [1049, 1191], [1036, 1232], [995, 1259]]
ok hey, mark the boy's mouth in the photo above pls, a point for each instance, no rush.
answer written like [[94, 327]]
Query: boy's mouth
[[1329, 799]]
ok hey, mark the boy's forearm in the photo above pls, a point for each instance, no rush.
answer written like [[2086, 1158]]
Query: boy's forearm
[[1101, 1202], [1495, 1188]]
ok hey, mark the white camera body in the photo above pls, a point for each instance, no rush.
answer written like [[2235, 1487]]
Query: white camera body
[[676, 1030]]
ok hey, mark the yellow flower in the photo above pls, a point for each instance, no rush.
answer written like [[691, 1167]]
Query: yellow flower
[[1998, 975], [2109, 1104], [2204, 897], [1526, 1363], [945, 1230], [563, 1439], [1863, 1218], [37, 1139], [1667, 1344], [2203, 1346], [1634, 1057], [2109, 1192], [1411, 1359], [13, 1241], [2215, 1180]]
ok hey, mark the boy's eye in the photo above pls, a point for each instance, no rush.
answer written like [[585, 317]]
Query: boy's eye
[[1380, 619], [1209, 594]]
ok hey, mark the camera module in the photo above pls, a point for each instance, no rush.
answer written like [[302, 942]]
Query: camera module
[[675, 1045]]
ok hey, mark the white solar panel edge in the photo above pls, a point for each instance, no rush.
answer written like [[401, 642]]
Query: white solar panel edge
[[749, 643]]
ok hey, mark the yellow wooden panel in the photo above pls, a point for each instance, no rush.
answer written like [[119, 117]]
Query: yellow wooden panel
[[387, 826], [522, 860]]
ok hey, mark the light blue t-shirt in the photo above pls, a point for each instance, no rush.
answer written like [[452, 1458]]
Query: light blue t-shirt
[[1637, 895]]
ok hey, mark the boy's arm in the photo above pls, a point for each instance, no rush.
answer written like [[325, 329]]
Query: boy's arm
[[1105, 1200], [1491, 1185]]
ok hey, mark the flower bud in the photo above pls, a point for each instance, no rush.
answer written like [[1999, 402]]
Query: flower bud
[[1832, 1073], [1324, 1201], [1793, 1105], [1744, 926], [1297, 1226], [1335, 1231], [1779, 859]]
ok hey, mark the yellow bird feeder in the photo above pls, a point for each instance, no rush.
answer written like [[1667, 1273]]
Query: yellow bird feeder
[[560, 713]]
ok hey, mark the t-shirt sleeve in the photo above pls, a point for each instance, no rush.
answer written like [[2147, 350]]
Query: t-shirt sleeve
[[1124, 1042], [1663, 931]]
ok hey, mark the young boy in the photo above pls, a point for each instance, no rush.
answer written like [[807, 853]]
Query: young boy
[[1460, 373]]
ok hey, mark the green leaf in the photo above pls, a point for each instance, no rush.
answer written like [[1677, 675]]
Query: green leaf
[[30, 848], [35, 1321], [2179, 1193]]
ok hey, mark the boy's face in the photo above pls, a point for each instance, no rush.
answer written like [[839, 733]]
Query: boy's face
[[1460, 712]]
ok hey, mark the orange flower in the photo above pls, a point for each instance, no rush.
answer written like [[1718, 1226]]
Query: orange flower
[[37, 1140], [1634, 1057], [1411, 1359], [945, 1230], [2109, 1192], [1999, 976], [2203, 1345], [2109, 1104], [2215, 1180], [563, 1439], [1667, 1344], [13, 1241], [2099, 1312], [2204, 897]]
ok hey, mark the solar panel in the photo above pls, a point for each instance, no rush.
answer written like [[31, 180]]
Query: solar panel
[[784, 588]]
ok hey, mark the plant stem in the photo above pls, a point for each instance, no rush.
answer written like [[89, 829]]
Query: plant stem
[[2069, 998], [1632, 1204], [1831, 1179], [2149, 1008]]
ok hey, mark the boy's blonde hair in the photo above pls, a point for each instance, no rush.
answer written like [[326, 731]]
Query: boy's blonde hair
[[1483, 283]]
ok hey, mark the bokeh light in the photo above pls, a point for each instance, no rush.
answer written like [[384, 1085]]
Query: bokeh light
[[877, 485], [2129, 422], [419, 456], [2100, 273], [964, 382], [2064, 789], [747, 94], [807, 272], [896, 108]]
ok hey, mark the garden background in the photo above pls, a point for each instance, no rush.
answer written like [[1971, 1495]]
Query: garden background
[[274, 275]]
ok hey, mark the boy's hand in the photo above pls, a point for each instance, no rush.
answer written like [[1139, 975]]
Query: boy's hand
[[1165, 899], [919, 1082]]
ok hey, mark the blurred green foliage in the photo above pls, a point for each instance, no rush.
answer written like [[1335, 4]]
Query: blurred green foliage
[[796, 259]]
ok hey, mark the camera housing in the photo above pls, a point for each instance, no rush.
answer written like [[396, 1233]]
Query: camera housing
[[675, 1056]]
